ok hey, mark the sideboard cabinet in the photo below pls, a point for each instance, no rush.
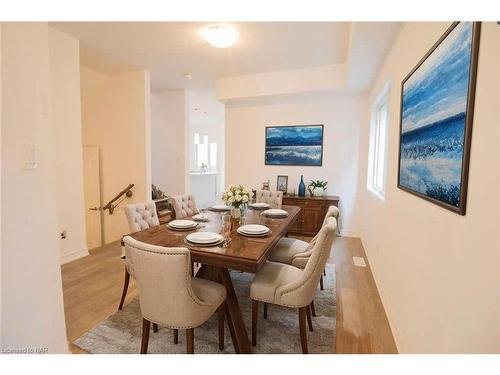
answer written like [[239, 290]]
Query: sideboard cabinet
[[312, 213]]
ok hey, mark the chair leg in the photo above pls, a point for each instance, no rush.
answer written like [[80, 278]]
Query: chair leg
[[176, 336], [324, 271], [309, 319], [265, 310], [222, 312], [190, 341], [302, 328], [321, 283], [313, 310], [255, 311], [155, 327], [125, 288], [146, 326]]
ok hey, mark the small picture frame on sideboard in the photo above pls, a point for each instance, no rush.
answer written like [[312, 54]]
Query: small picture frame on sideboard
[[282, 184]]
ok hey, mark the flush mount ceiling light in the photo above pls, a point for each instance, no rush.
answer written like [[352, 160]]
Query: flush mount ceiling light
[[221, 36]]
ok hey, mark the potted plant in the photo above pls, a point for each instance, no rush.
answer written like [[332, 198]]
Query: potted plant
[[317, 188]]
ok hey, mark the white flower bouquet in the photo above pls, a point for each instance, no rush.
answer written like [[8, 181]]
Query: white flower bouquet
[[236, 196]]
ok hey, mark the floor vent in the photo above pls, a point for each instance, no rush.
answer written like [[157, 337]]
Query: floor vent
[[359, 261]]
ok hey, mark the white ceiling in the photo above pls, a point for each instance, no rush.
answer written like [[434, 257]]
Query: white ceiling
[[171, 49]]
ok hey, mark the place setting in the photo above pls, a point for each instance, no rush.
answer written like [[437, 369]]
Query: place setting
[[201, 216], [254, 230], [220, 208], [182, 225], [259, 206], [275, 213], [204, 239]]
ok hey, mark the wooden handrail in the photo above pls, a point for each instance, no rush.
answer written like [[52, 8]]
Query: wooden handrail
[[109, 206]]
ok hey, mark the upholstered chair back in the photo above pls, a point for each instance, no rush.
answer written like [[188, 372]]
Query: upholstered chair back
[[164, 282], [331, 212], [300, 292], [184, 205], [300, 260], [141, 216], [273, 198]]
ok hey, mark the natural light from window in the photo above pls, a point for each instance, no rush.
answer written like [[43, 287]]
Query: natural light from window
[[378, 144]]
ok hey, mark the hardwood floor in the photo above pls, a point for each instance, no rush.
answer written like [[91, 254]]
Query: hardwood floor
[[92, 288]]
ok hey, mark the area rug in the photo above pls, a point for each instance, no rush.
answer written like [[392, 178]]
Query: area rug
[[279, 333]]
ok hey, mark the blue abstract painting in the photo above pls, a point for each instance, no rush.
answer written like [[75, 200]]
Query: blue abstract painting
[[434, 119], [294, 145]]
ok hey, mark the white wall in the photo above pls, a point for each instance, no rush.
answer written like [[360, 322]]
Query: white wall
[[438, 272], [66, 116], [319, 78], [1, 186], [116, 117], [32, 304], [341, 116], [169, 156]]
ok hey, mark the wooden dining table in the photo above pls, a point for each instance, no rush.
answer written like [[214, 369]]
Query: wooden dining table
[[247, 254]]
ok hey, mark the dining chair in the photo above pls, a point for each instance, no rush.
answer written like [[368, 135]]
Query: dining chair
[[139, 216], [296, 252], [184, 205], [285, 285], [273, 198], [169, 296]]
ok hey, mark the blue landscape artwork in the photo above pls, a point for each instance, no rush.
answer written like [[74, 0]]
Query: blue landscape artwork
[[433, 120], [294, 145]]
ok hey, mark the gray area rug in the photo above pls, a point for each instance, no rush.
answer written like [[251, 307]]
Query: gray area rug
[[279, 333]]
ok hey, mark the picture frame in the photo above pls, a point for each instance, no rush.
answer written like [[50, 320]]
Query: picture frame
[[436, 115], [282, 184], [298, 145]]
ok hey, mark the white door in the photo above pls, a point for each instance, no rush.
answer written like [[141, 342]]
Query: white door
[[92, 191]]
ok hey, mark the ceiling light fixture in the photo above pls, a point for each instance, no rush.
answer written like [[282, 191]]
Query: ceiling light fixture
[[221, 36]]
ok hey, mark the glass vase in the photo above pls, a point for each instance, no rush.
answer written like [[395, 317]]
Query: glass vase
[[243, 211]]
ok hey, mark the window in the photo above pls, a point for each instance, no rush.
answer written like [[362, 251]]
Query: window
[[205, 153], [213, 156], [378, 144]]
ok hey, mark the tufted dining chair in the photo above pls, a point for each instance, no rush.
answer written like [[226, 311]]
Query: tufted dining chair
[[169, 296], [273, 198], [184, 205], [139, 216], [289, 286], [296, 252]]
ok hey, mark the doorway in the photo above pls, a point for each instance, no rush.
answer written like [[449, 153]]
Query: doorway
[[92, 194]]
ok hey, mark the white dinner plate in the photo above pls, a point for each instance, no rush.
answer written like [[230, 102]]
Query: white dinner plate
[[201, 217], [182, 224], [220, 207], [277, 212], [254, 229], [204, 237], [259, 205], [246, 234]]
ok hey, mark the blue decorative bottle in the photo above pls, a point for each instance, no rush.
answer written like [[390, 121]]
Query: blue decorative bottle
[[302, 187]]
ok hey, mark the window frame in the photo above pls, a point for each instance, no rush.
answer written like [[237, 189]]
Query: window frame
[[381, 103]]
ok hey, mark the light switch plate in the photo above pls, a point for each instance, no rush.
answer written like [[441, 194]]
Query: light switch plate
[[30, 157], [359, 261]]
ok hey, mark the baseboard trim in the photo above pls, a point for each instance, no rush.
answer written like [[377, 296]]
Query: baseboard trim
[[349, 233], [74, 256], [389, 311]]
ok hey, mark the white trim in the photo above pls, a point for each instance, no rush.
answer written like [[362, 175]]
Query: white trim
[[389, 311], [74, 256], [381, 101], [349, 233]]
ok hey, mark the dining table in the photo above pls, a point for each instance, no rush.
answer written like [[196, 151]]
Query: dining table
[[238, 253]]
